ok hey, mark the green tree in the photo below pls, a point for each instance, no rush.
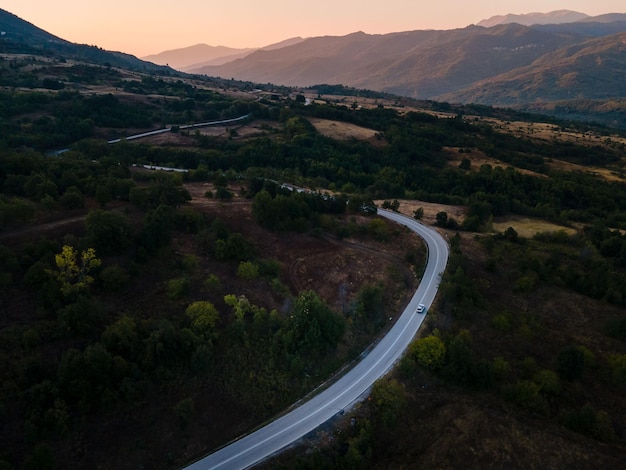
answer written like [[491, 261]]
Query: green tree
[[378, 229], [429, 352], [548, 382], [177, 288], [157, 228], [223, 194], [465, 164], [74, 272], [121, 337], [72, 199], [388, 399], [114, 277], [313, 326], [240, 305], [103, 195], [213, 283], [109, 231], [442, 219], [248, 271], [203, 315], [511, 235]]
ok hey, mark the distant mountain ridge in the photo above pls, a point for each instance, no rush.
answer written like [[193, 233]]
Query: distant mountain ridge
[[186, 56], [421, 64], [189, 59], [530, 19]]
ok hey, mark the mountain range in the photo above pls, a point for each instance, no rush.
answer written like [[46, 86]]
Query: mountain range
[[507, 64], [433, 64]]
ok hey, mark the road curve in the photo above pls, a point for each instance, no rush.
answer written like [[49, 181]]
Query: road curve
[[354, 384]]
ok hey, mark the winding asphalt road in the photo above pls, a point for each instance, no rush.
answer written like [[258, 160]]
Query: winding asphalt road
[[56, 153], [354, 384]]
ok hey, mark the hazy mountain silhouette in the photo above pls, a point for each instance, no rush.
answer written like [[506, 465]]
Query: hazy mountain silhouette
[[199, 53], [421, 64], [192, 68], [529, 19]]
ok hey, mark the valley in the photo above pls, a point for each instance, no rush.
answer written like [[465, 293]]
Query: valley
[[150, 317]]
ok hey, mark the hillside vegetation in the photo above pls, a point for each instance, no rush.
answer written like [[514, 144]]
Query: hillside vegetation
[[149, 317]]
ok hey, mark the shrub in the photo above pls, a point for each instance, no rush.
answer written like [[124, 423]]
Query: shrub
[[617, 364], [616, 328], [525, 393], [501, 367], [269, 267], [190, 263], [548, 381], [389, 399], [378, 229], [570, 363], [184, 410], [110, 232], [248, 271], [213, 283], [114, 277], [587, 420], [72, 199], [177, 288], [502, 322]]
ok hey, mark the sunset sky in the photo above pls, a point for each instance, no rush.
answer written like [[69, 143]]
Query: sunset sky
[[143, 27]]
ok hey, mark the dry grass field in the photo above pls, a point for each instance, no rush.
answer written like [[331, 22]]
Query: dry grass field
[[342, 130], [526, 227]]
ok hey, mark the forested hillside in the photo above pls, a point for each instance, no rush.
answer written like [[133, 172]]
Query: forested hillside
[[148, 317]]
